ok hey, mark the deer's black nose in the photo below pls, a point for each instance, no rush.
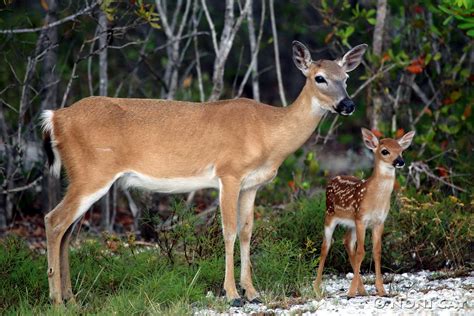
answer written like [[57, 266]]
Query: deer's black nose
[[345, 107], [399, 162]]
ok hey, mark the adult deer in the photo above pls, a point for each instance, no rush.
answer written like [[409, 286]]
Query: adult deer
[[235, 146], [358, 204]]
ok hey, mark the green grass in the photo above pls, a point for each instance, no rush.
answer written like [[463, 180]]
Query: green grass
[[285, 250]]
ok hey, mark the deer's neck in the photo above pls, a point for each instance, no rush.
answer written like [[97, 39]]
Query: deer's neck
[[299, 122], [382, 179]]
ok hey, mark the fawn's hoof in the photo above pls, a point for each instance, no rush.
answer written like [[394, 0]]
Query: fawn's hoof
[[237, 302]]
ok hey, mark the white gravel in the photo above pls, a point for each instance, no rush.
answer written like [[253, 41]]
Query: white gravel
[[421, 293]]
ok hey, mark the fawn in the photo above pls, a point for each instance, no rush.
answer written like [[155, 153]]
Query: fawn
[[358, 204]]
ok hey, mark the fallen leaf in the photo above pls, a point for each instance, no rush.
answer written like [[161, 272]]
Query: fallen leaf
[[292, 185], [187, 82], [447, 101], [399, 133], [418, 9], [44, 4], [415, 69], [467, 111], [442, 171], [328, 37], [377, 133], [444, 144]]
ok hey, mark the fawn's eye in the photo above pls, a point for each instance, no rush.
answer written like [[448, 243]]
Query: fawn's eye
[[385, 152], [320, 79]]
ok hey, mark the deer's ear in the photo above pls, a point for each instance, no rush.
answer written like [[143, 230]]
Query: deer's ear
[[370, 140], [301, 57], [352, 58], [405, 140]]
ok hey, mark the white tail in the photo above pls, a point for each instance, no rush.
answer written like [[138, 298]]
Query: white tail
[[54, 158], [358, 204], [235, 146]]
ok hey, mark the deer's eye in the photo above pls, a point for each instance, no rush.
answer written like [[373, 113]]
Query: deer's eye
[[385, 152], [320, 79]]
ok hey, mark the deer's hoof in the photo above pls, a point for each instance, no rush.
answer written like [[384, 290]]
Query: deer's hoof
[[256, 301], [237, 302]]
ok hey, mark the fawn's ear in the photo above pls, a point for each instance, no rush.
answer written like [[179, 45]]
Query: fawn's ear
[[370, 140], [301, 57], [405, 140], [352, 58]]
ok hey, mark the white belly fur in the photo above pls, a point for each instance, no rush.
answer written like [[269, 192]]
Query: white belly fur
[[205, 180]]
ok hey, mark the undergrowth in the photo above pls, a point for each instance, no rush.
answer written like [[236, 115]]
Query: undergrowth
[[114, 275]]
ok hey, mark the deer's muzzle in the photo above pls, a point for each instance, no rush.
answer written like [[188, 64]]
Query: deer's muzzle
[[345, 107], [399, 162]]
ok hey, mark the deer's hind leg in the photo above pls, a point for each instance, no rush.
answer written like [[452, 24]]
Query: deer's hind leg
[[349, 244], [66, 287], [245, 224], [326, 245], [75, 203]]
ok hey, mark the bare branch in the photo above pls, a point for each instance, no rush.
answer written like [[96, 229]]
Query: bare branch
[[277, 54], [375, 76], [211, 26], [253, 64], [48, 26], [25, 187]]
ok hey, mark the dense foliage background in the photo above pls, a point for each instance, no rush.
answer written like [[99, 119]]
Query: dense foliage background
[[417, 75]]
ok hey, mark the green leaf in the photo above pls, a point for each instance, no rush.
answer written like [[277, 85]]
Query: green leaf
[[468, 25], [448, 20], [470, 33], [350, 29], [372, 21]]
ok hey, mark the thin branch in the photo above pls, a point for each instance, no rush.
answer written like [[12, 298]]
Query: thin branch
[[253, 64], [25, 187], [73, 76], [48, 26], [211, 26], [368, 81]]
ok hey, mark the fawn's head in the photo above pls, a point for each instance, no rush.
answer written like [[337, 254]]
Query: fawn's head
[[327, 78], [388, 151]]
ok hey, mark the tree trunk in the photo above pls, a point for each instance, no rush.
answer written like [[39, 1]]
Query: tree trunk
[[51, 184], [103, 83], [375, 111], [253, 49], [231, 26]]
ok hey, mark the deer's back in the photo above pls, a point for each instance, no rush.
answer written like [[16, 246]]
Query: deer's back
[[344, 195]]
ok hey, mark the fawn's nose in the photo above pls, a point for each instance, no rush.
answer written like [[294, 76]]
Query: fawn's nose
[[399, 162], [345, 107]]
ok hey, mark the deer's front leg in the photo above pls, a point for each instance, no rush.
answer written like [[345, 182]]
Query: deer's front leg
[[359, 257], [229, 195], [246, 208], [377, 249]]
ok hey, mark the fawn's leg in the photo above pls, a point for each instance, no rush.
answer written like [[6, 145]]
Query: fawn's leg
[[229, 195], [245, 219], [377, 249], [349, 243], [360, 253], [328, 231]]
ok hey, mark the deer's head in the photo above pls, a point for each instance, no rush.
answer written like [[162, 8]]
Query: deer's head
[[326, 79], [388, 151]]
